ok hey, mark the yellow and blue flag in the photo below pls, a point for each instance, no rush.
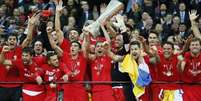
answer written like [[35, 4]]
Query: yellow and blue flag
[[139, 74]]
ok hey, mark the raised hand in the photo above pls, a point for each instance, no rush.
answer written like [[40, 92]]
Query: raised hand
[[34, 18], [141, 39], [59, 6], [195, 72], [190, 37], [5, 49], [119, 18], [102, 8], [140, 59], [53, 85], [39, 80], [65, 78], [106, 45], [193, 15]]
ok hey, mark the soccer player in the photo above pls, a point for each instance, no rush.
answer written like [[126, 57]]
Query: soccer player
[[76, 62], [100, 64], [29, 72], [122, 92], [54, 71], [13, 91], [38, 55], [136, 55], [192, 71], [167, 70], [152, 48], [58, 36]]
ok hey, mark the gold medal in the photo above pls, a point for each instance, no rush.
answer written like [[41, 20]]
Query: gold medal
[[98, 73], [169, 73], [98, 69]]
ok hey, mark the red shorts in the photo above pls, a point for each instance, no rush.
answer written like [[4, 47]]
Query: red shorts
[[192, 92], [154, 92], [40, 97], [146, 96], [50, 96], [75, 94], [105, 95], [119, 94]]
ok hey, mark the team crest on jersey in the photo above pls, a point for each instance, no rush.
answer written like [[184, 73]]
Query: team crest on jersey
[[75, 70], [195, 68], [28, 73], [15, 57]]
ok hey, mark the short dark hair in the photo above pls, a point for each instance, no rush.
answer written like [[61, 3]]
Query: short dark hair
[[77, 43], [135, 43], [154, 32], [36, 41], [168, 43], [50, 54], [28, 50], [12, 34]]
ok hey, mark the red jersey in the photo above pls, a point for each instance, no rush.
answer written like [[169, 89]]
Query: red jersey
[[77, 69], [159, 49], [29, 74], [152, 68], [78, 65], [153, 71], [64, 57], [11, 75], [191, 91], [65, 46], [39, 60], [167, 71], [193, 64], [101, 71], [52, 74]]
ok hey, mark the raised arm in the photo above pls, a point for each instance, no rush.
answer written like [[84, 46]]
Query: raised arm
[[107, 46], [30, 27], [154, 57], [4, 61], [2, 57], [54, 46], [116, 58], [105, 33], [85, 44], [181, 63], [186, 45], [113, 33], [193, 15], [59, 9], [144, 45]]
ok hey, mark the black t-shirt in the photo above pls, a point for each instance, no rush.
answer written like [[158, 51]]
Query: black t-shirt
[[116, 74]]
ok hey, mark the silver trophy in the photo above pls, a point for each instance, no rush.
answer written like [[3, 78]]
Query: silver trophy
[[112, 8]]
